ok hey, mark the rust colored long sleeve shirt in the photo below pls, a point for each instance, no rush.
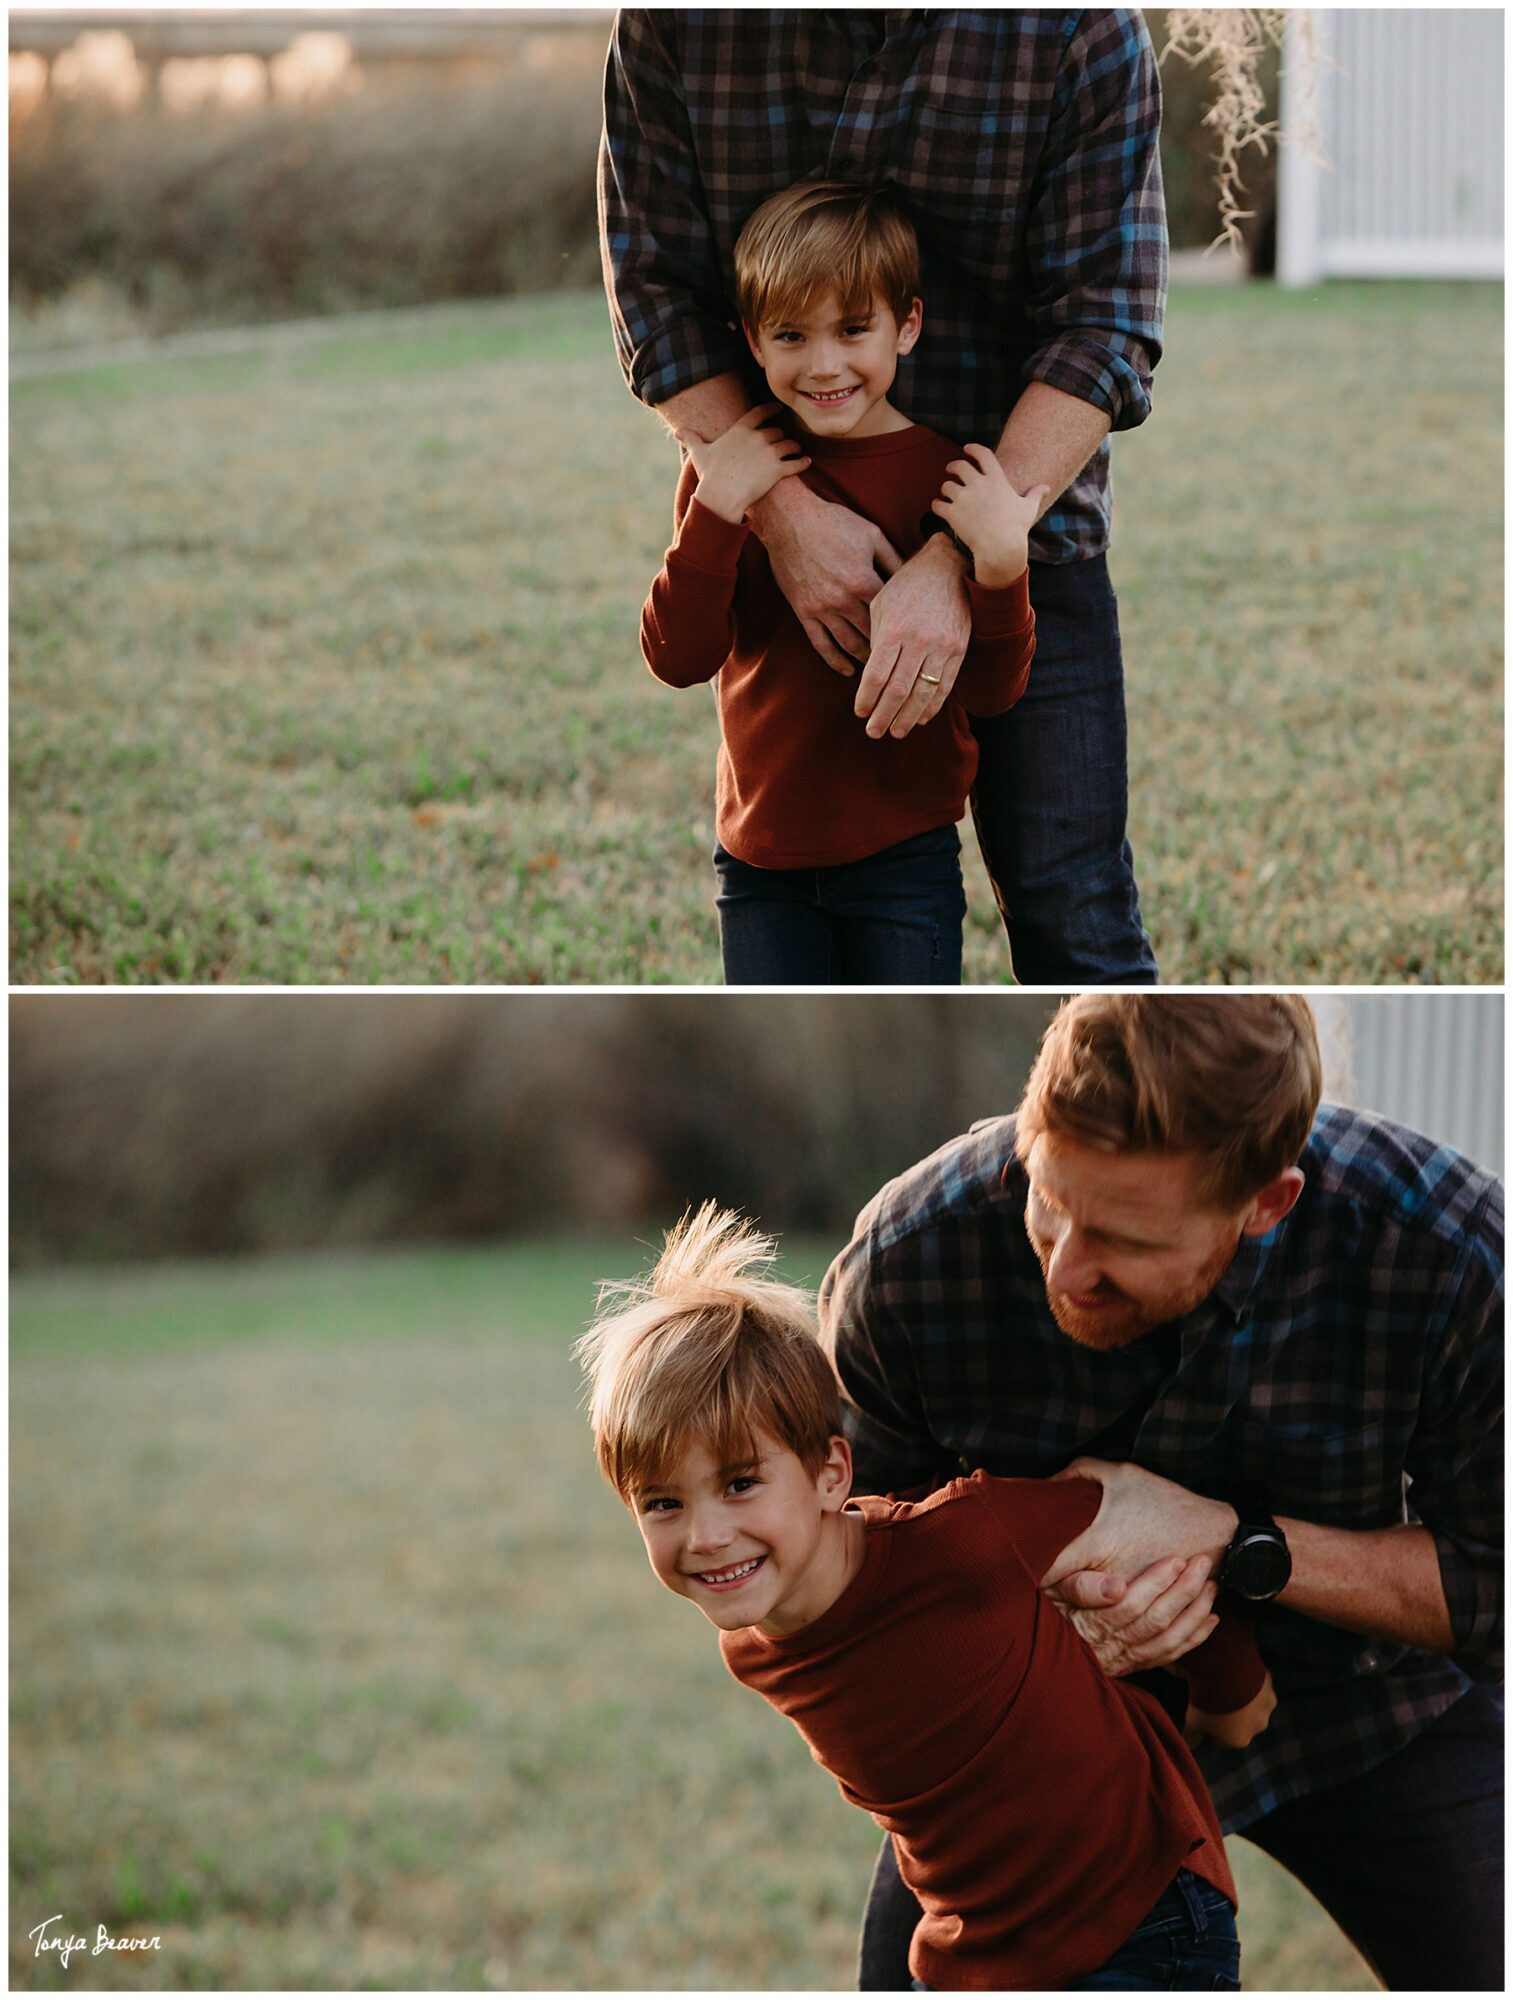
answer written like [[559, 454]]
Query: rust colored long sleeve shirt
[[799, 783], [1038, 1809]]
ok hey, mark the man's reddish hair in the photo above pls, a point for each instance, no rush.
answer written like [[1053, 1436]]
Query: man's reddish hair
[[1235, 1080]]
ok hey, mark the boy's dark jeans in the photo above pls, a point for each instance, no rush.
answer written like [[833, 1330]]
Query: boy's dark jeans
[[1052, 794], [1407, 1859], [1186, 1945], [893, 919]]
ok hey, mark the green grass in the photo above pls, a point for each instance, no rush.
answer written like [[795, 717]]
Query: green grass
[[334, 1664], [325, 661]]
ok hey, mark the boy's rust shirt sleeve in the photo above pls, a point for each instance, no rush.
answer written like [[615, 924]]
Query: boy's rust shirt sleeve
[[1227, 1670], [996, 668], [688, 620], [1040, 1517]]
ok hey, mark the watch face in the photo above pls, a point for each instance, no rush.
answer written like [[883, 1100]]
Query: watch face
[[1259, 1567]]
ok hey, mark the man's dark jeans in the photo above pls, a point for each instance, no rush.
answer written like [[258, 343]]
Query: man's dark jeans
[[1052, 793], [893, 919], [1407, 1859]]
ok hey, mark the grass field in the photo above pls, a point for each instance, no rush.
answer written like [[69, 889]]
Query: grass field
[[325, 663], [334, 1665]]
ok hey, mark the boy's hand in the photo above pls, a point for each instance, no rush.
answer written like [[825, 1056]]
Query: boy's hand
[[1239, 1727], [743, 463], [978, 504]]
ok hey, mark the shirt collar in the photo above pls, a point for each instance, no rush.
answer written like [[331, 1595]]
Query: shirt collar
[[892, 21], [1243, 1272]]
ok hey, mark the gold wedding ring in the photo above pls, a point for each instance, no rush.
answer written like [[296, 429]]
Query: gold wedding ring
[[931, 680]]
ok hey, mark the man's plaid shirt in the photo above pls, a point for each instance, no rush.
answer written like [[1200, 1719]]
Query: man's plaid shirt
[[1024, 143], [1347, 1369]]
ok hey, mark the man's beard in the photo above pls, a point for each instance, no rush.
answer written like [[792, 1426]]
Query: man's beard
[[1119, 1324]]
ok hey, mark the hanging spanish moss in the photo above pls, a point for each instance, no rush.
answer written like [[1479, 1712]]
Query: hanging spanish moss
[[1232, 42]]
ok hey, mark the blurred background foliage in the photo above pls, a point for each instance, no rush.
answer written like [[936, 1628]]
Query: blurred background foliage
[[189, 1125], [152, 194]]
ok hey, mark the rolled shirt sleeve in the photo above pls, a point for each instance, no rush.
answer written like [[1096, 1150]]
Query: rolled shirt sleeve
[[1456, 1462], [662, 273], [1096, 234], [881, 1410]]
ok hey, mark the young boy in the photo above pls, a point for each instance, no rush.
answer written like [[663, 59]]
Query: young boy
[[837, 854], [1051, 1822]]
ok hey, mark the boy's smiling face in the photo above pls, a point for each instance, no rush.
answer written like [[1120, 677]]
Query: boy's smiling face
[[834, 369], [756, 1544]]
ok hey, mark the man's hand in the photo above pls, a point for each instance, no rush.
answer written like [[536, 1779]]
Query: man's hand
[[744, 463], [921, 623], [1141, 1519], [1168, 1608], [978, 504], [830, 565], [1240, 1726], [1164, 1613]]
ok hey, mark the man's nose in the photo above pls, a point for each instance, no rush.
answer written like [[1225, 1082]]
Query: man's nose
[[1073, 1267]]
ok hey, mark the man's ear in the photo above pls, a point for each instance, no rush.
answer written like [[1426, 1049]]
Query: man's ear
[[835, 1476], [1273, 1202], [910, 324]]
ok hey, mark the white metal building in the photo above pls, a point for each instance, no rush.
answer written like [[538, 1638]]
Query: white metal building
[[1430, 1060], [1410, 105]]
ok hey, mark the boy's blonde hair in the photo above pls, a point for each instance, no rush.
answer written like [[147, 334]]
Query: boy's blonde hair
[[707, 1349], [1234, 1079], [847, 235]]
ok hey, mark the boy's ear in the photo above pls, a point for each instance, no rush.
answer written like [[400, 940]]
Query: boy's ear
[[835, 1476], [751, 341], [909, 326]]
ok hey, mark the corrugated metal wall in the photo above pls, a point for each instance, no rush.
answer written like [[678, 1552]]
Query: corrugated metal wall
[[1430, 1060], [1411, 111]]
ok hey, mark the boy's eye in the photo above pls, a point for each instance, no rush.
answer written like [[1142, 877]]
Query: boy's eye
[[867, 328], [743, 1482], [658, 1505]]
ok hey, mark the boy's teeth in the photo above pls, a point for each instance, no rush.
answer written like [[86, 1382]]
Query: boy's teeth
[[730, 1575]]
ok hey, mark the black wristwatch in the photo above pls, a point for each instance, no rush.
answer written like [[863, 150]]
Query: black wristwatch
[[932, 524], [1258, 1562]]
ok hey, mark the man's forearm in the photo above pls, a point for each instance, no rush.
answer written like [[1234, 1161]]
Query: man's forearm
[[1383, 1582], [709, 408], [1048, 439]]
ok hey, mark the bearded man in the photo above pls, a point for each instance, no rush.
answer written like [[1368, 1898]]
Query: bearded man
[[1025, 146], [1272, 1330]]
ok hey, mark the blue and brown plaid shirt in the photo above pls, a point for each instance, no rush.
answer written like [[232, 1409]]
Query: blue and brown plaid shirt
[[1024, 143], [1347, 1369]]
